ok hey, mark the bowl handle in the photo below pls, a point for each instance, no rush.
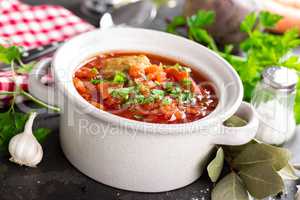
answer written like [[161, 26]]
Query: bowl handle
[[239, 135], [37, 88]]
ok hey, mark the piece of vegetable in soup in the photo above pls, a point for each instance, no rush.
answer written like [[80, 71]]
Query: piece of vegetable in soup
[[145, 87], [124, 63]]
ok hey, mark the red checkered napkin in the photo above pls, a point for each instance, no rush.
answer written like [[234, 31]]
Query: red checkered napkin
[[7, 84], [32, 27]]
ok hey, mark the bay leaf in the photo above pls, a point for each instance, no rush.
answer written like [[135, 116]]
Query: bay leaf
[[234, 151], [253, 154], [229, 188], [281, 156], [261, 153], [235, 121], [288, 173], [261, 180], [215, 167]]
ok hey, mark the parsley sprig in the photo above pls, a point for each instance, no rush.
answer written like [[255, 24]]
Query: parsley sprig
[[11, 121], [261, 49], [12, 56]]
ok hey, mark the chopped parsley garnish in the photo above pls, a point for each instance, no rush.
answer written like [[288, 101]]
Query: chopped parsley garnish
[[168, 86], [167, 101], [94, 70], [176, 92], [96, 81], [136, 97], [186, 82], [158, 94], [149, 99], [122, 93], [140, 99], [186, 97], [120, 77]]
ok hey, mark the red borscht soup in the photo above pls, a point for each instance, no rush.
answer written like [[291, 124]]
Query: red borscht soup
[[145, 87]]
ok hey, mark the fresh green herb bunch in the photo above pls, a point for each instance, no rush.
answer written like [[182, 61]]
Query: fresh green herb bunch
[[261, 49], [11, 121]]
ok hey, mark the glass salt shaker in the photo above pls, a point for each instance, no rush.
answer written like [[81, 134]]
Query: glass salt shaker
[[274, 99]]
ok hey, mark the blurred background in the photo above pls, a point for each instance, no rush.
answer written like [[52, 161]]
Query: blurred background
[[229, 13]]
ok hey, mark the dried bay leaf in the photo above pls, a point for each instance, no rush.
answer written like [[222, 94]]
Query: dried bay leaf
[[252, 155], [235, 121], [288, 173], [229, 188], [234, 151], [255, 154], [281, 156], [215, 167], [261, 180]]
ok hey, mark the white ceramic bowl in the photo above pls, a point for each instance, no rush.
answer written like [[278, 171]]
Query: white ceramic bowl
[[135, 155]]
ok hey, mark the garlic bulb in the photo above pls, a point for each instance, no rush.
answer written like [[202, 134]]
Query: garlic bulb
[[24, 148]]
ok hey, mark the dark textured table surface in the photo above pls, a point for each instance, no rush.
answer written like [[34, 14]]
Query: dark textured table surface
[[55, 178]]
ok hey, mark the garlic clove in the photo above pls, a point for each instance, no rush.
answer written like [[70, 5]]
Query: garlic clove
[[24, 148]]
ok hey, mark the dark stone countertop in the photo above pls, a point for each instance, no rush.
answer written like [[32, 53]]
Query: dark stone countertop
[[55, 178]]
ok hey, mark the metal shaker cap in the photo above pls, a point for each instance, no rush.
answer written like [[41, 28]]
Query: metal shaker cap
[[280, 77]]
